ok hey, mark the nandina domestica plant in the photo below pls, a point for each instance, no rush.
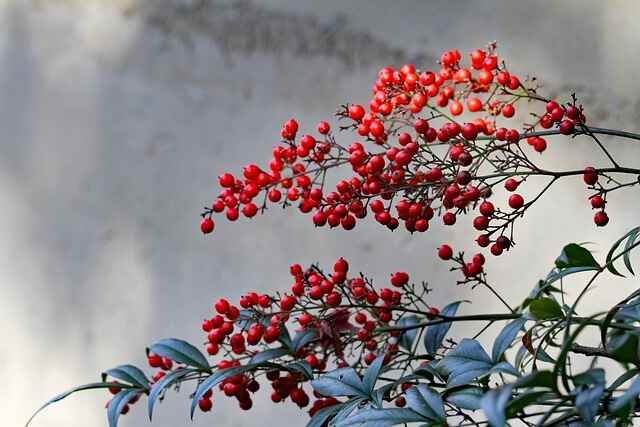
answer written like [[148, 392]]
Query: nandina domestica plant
[[351, 353]]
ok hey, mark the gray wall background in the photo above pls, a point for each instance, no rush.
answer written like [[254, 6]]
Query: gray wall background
[[116, 117]]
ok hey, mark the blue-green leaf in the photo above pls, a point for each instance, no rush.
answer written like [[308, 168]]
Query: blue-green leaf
[[165, 382], [627, 397], [340, 382], [494, 405], [129, 374], [382, 417], [426, 402], [435, 334], [505, 338], [181, 352], [465, 362], [468, 398], [321, 417], [587, 402], [301, 366], [117, 403], [372, 373], [408, 337], [91, 386], [269, 354], [506, 368], [215, 379], [303, 338]]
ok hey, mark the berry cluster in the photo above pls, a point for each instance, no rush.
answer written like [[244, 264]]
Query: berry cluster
[[416, 159]]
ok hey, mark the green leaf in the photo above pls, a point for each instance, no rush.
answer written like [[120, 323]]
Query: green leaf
[[181, 352], [426, 402], [129, 374], [269, 354], [545, 309], [165, 382], [117, 403], [372, 373], [340, 382], [505, 338], [465, 362], [435, 334], [91, 386], [536, 379], [520, 402], [574, 255], [630, 237]]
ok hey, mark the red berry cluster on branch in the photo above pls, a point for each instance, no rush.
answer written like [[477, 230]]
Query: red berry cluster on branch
[[416, 159]]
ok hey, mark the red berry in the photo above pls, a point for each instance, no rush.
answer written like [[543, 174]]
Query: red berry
[[511, 184], [590, 176], [222, 306], [567, 127], [207, 225], [508, 110], [486, 208], [597, 202], [480, 222], [516, 201], [356, 112], [449, 218], [399, 279], [205, 404], [323, 128], [601, 219], [445, 252]]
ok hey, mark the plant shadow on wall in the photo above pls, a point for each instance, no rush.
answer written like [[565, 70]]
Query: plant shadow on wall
[[436, 146]]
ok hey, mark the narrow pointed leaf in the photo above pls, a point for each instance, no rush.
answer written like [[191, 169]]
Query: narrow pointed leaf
[[435, 334], [130, 374], [505, 338], [214, 379], [117, 403], [426, 402], [91, 386], [167, 381], [372, 373], [272, 353], [340, 382], [181, 352]]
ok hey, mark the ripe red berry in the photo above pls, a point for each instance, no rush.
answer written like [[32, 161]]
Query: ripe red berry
[[590, 176], [356, 112], [508, 110], [445, 252], [511, 184], [222, 306], [486, 208], [601, 219], [207, 225], [597, 202], [399, 279], [567, 127], [480, 222], [323, 128], [449, 218], [516, 201]]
